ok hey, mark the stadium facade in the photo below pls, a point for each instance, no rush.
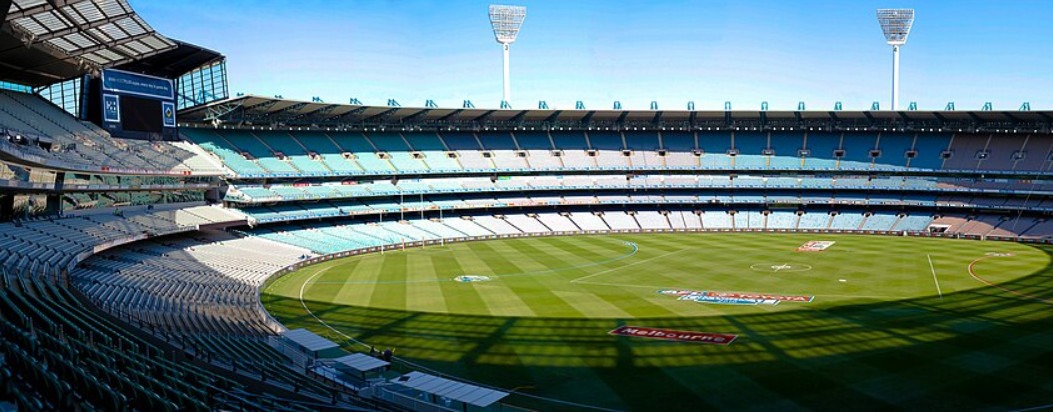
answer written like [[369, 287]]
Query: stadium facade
[[172, 238]]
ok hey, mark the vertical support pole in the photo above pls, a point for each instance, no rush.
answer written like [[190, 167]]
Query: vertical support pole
[[895, 78], [508, 87]]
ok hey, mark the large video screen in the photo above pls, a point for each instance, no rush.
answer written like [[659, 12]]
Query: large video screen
[[138, 106], [140, 115]]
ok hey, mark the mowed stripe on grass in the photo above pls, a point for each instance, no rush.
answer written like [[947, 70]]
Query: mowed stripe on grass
[[424, 295], [542, 330]]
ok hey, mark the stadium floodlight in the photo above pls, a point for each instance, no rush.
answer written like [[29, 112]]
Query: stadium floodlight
[[506, 21], [896, 24]]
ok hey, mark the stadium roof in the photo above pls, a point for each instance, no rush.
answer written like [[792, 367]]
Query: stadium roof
[[46, 41], [461, 392], [309, 340], [275, 112], [173, 63], [361, 362]]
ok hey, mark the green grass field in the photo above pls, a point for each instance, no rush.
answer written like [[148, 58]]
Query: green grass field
[[896, 322]]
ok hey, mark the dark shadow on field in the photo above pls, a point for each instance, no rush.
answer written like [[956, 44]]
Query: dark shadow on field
[[978, 349]]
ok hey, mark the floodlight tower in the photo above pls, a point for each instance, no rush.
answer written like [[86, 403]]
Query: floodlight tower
[[896, 24], [506, 21]]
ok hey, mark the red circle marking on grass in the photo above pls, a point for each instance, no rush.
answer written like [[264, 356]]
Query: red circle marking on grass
[[988, 283]]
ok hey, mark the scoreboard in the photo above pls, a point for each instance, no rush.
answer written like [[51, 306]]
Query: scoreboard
[[138, 106]]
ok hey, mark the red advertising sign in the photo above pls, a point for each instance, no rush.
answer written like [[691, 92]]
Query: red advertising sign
[[674, 335]]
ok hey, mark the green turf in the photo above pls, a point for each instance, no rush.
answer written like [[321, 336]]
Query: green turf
[[877, 335]]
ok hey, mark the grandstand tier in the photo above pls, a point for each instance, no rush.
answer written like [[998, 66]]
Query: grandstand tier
[[420, 152]]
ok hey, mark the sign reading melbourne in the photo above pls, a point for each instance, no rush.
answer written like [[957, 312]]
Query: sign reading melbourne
[[137, 84], [674, 335]]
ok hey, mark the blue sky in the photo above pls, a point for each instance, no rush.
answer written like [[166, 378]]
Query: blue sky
[[746, 52]]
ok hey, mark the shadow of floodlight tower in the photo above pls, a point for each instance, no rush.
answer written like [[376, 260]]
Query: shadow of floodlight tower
[[896, 24], [506, 21]]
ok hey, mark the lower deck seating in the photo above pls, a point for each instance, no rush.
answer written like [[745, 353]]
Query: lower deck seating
[[557, 222], [781, 220], [846, 221], [814, 220], [526, 224], [1040, 229], [652, 220], [328, 237], [1002, 226], [913, 223], [879, 221], [495, 225], [588, 221], [618, 220], [204, 283], [716, 220], [66, 356]]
